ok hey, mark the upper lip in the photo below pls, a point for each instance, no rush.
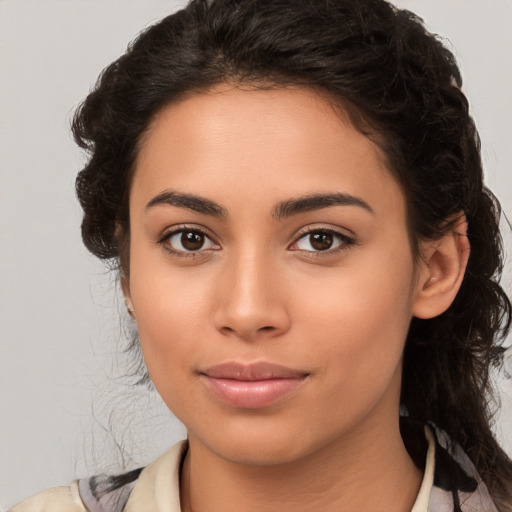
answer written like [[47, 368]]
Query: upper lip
[[253, 371]]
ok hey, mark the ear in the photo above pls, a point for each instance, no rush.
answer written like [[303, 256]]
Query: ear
[[125, 287], [441, 271], [124, 264]]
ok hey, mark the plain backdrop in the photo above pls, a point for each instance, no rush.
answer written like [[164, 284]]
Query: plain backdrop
[[60, 329]]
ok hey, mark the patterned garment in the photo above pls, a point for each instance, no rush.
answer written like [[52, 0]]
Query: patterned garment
[[450, 482], [457, 486]]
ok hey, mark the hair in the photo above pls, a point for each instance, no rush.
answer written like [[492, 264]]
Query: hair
[[401, 87]]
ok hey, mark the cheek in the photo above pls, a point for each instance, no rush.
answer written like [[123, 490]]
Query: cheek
[[171, 310], [359, 338], [360, 315]]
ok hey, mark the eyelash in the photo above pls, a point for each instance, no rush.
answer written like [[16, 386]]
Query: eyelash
[[164, 241], [345, 242]]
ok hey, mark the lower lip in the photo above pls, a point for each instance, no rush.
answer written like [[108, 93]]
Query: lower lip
[[252, 394]]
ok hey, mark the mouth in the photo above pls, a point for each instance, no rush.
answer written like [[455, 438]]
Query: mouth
[[252, 386]]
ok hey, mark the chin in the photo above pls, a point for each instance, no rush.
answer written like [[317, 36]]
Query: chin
[[262, 442]]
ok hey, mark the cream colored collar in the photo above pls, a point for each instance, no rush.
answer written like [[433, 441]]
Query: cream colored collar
[[158, 486]]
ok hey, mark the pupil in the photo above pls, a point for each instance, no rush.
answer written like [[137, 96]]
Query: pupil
[[192, 241], [321, 241]]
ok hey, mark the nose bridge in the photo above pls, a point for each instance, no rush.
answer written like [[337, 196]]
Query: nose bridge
[[250, 302]]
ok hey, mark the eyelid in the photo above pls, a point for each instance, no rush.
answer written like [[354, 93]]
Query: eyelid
[[347, 240], [171, 231]]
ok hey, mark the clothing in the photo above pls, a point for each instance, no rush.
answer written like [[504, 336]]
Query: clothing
[[450, 484]]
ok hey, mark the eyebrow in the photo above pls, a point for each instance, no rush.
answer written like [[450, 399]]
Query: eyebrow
[[283, 210], [191, 202], [317, 202]]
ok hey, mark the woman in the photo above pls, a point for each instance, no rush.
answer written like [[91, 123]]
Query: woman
[[293, 193]]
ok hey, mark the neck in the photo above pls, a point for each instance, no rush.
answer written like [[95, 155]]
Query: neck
[[368, 471]]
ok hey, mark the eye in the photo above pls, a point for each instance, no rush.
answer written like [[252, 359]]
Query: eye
[[321, 240], [185, 241]]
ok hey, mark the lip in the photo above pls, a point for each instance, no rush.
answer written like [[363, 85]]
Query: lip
[[252, 386]]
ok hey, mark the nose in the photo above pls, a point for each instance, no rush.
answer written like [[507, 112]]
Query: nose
[[250, 303]]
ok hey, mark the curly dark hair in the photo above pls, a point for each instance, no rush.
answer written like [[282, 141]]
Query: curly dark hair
[[402, 88]]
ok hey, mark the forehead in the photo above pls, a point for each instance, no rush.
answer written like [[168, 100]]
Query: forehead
[[276, 143]]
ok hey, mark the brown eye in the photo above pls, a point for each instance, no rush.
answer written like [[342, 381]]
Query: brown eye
[[191, 240], [188, 241], [321, 241]]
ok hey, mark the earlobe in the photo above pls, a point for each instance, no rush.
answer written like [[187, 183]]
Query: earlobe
[[441, 271], [125, 287], [129, 308], [124, 265]]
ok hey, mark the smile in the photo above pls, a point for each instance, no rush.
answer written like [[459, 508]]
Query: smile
[[252, 386]]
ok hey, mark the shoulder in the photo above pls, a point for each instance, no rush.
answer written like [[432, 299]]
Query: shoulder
[[57, 499], [456, 481], [138, 490], [97, 494]]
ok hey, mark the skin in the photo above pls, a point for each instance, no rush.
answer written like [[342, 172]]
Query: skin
[[258, 289]]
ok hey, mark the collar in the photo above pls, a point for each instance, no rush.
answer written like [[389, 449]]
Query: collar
[[450, 482]]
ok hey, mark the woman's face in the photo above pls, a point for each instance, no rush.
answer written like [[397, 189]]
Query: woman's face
[[270, 273]]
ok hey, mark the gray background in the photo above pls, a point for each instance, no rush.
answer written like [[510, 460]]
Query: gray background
[[59, 309]]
